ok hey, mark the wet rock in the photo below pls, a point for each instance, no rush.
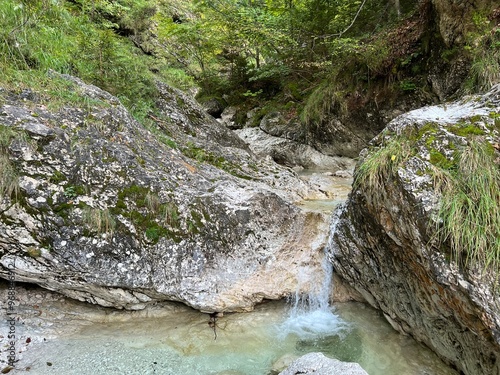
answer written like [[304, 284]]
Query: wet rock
[[385, 245], [283, 362], [318, 364]]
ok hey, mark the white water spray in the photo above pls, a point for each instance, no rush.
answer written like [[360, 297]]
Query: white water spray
[[311, 315]]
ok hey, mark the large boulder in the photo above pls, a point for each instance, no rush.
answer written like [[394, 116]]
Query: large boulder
[[391, 243], [99, 208]]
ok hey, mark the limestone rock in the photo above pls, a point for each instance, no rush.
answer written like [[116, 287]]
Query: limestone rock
[[385, 244], [106, 211], [318, 364], [291, 153], [228, 118]]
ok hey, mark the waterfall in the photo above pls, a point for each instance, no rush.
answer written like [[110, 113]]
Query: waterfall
[[311, 315]]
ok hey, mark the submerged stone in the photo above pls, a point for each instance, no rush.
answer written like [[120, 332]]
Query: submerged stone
[[318, 364]]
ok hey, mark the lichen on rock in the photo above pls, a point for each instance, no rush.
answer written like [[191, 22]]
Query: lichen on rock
[[104, 210]]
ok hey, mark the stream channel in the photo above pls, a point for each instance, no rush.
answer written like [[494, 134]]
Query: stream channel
[[62, 336]]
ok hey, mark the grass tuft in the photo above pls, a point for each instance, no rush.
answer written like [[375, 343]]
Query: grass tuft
[[379, 164], [470, 208], [99, 221]]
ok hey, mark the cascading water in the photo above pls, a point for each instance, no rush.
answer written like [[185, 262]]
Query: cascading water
[[311, 315]]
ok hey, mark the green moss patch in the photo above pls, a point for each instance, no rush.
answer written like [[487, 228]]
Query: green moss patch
[[143, 208]]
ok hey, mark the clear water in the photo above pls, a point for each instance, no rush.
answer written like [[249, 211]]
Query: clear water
[[247, 343], [258, 343]]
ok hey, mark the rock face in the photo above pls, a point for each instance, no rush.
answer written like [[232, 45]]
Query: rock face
[[291, 153], [384, 245], [318, 364], [97, 207]]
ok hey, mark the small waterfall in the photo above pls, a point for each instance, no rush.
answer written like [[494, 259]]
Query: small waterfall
[[311, 315]]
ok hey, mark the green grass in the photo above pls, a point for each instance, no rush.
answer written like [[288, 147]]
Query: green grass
[[382, 162], [9, 185], [470, 208], [40, 35], [469, 186], [326, 98]]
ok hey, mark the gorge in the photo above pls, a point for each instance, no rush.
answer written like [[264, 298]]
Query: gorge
[[153, 229]]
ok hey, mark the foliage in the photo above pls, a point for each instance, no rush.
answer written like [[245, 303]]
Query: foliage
[[470, 207], [40, 35], [383, 162], [483, 44]]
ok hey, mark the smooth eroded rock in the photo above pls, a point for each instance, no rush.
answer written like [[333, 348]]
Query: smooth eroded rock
[[318, 364]]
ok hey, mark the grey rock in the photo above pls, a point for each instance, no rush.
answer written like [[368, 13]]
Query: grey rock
[[111, 213], [290, 153], [37, 130], [228, 118], [384, 245], [214, 107], [318, 364]]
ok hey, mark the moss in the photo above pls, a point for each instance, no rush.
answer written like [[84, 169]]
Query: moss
[[155, 220], [141, 161], [430, 127], [438, 159], [197, 218], [475, 118], [192, 228], [466, 129], [203, 156], [496, 120], [134, 193], [205, 215], [62, 208], [57, 177]]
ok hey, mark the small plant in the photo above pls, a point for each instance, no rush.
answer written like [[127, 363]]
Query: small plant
[[9, 185], [470, 208], [170, 214], [57, 177], [380, 163], [407, 85], [152, 203], [33, 252], [99, 221], [70, 192], [153, 234]]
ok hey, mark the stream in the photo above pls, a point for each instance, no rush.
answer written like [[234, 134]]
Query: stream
[[62, 336], [181, 342]]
